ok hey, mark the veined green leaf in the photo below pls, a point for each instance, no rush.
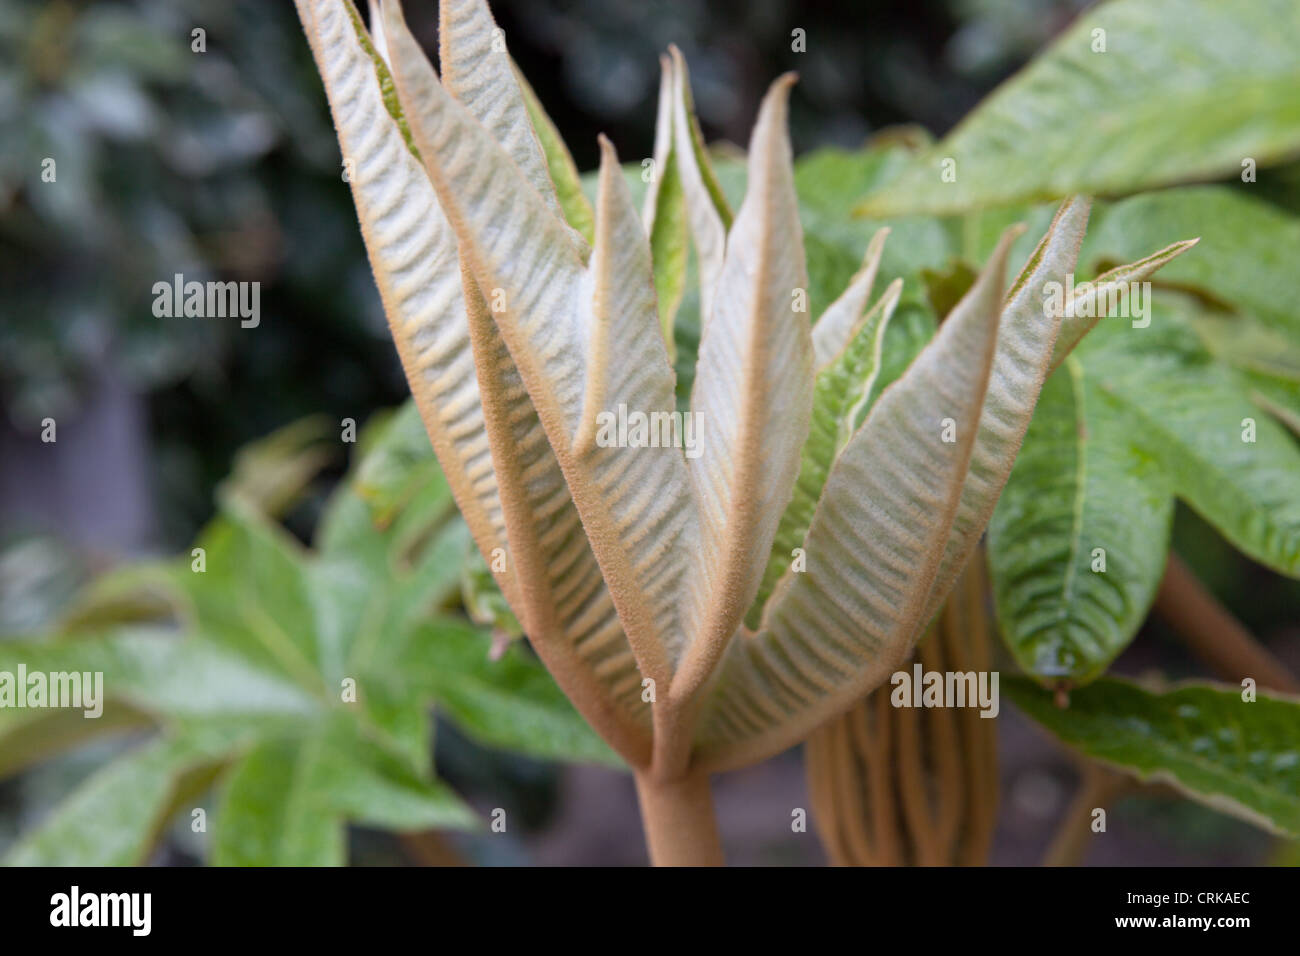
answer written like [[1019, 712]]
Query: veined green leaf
[[1233, 465], [1247, 256], [269, 815], [113, 819], [1077, 544], [511, 702], [874, 548], [1173, 90], [1239, 757], [353, 777]]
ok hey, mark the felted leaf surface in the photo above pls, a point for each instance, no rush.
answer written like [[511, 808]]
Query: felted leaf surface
[[633, 501], [413, 256], [874, 547], [752, 396]]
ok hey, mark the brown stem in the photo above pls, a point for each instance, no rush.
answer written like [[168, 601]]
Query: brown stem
[[681, 828], [1100, 786], [1213, 634]]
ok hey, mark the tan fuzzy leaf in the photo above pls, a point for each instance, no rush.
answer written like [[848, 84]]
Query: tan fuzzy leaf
[[633, 502], [837, 324], [837, 630], [705, 208], [1101, 289], [412, 252], [476, 69], [566, 608], [1026, 337], [752, 398]]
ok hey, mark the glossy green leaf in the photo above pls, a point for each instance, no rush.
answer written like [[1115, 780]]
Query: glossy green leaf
[[1185, 89], [1239, 757], [1077, 543]]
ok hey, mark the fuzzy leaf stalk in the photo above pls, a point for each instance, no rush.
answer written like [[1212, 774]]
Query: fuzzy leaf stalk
[[659, 584]]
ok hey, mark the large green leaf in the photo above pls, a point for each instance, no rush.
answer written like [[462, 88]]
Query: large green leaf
[[1135, 415], [1246, 258], [1077, 544], [113, 818], [1186, 89], [269, 815], [511, 702], [1237, 467], [1240, 757]]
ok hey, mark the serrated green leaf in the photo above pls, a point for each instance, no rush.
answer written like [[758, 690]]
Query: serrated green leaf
[[1184, 90], [1239, 757], [1077, 543]]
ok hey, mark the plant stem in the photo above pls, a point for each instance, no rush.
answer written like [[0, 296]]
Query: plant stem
[[681, 828], [1098, 789], [1213, 634]]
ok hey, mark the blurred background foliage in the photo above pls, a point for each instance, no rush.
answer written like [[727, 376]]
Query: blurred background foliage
[[223, 164]]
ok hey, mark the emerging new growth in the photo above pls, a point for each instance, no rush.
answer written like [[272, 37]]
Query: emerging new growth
[[703, 607]]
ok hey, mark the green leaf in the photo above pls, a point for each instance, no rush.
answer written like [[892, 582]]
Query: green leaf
[[113, 819], [1080, 484], [272, 473], [269, 816], [1186, 89], [510, 703], [1246, 259], [669, 245], [1194, 416], [559, 163], [1239, 757], [359, 780]]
